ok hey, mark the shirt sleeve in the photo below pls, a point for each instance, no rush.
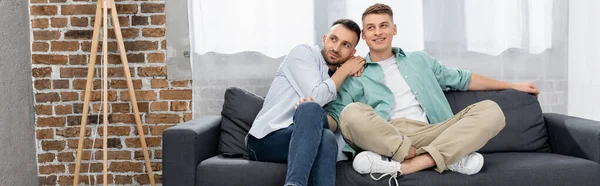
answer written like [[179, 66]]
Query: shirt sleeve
[[302, 69], [335, 108], [448, 78]]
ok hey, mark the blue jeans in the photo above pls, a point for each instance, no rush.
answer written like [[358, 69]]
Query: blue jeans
[[308, 147]]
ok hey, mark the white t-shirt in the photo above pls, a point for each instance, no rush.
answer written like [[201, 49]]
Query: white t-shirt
[[405, 104]]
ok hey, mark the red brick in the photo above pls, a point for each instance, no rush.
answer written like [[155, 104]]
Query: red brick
[[152, 71], [159, 83], [141, 45], [159, 106], [46, 157], [60, 84], [153, 8], [53, 145], [158, 130], [122, 118], [114, 155], [139, 20], [71, 132], [122, 84], [156, 58], [77, 59], [79, 84], [176, 94], [140, 95], [66, 157], [51, 121], [87, 143], [144, 179], [42, 84], [127, 8], [47, 97], [187, 116], [73, 72], [79, 21], [49, 59], [64, 46], [153, 32], [123, 180], [78, 34], [136, 143], [43, 10], [116, 131], [63, 109], [143, 106], [158, 19], [78, 9], [69, 96], [83, 179], [163, 119], [97, 95], [41, 72], [44, 134], [51, 169], [39, 23], [125, 167], [58, 22], [120, 107], [43, 109], [40, 47], [179, 106], [95, 167], [46, 35], [127, 33], [47, 180]]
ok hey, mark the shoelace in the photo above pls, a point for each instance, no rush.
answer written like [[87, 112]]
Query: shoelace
[[392, 177]]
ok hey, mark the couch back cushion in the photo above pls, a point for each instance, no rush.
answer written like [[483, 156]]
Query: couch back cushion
[[240, 107], [525, 130]]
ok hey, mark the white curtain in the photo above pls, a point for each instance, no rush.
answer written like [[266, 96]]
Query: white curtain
[[241, 42], [270, 27], [584, 63]]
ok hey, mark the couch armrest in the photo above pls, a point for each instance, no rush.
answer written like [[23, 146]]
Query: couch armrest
[[573, 136], [186, 145]]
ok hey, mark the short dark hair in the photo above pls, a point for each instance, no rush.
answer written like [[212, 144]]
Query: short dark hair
[[378, 9], [349, 24]]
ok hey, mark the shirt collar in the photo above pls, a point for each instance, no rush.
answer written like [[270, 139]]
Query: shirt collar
[[395, 50]]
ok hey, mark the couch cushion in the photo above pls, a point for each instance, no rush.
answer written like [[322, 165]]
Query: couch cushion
[[525, 130], [240, 107], [499, 169]]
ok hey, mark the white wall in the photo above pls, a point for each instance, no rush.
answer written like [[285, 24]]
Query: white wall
[[584, 59]]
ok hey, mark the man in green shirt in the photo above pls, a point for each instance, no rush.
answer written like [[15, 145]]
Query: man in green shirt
[[397, 108]]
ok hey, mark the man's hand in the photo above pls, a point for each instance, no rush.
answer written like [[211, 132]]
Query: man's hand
[[526, 87], [412, 152], [303, 100], [353, 66]]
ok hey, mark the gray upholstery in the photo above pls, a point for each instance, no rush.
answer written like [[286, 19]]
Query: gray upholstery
[[240, 107], [190, 151], [524, 130], [186, 145], [574, 136], [499, 169]]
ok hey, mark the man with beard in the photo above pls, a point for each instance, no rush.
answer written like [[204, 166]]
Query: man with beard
[[292, 126]]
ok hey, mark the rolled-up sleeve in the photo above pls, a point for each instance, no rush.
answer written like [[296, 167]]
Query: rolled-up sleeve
[[302, 69], [448, 78]]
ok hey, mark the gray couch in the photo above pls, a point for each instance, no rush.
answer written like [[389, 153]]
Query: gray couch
[[534, 148]]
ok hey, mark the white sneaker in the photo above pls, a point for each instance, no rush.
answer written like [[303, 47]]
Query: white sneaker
[[370, 162], [469, 165]]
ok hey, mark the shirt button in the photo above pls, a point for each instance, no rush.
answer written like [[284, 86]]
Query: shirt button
[[405, 77]]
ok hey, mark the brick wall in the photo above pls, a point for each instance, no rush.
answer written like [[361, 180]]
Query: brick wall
[[61, 42]]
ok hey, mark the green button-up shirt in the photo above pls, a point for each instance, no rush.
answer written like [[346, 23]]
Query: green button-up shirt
[[426, 77]]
